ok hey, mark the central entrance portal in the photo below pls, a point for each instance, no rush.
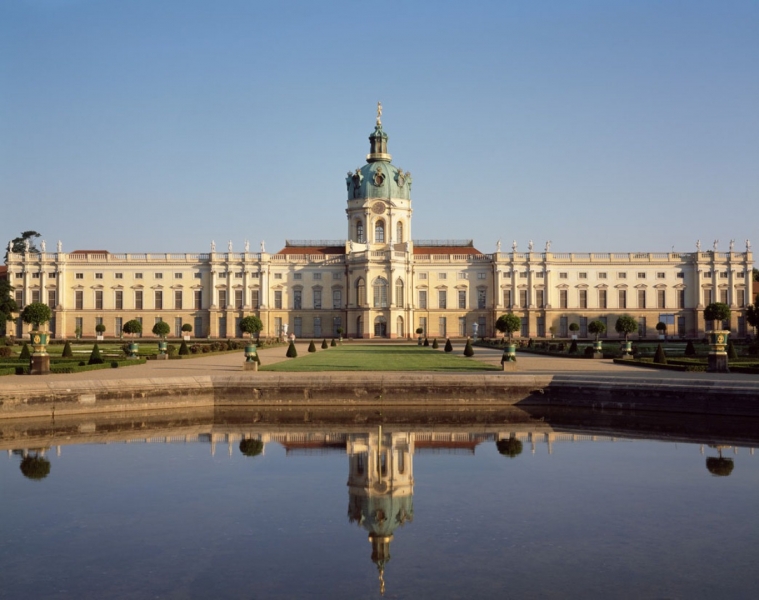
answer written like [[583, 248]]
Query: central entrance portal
[[380, 327]]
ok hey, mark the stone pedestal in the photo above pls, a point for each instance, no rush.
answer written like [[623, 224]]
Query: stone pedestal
[[250, 365], [717, 363], [598, 355], [509, 365], [40, 364], [162, 357]]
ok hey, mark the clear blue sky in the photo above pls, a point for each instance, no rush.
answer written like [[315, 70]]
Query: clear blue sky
[[159, 126]]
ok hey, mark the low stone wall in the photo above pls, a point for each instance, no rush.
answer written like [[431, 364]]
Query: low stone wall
[[375, 389]]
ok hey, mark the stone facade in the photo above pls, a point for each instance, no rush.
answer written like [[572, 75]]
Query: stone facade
[[379, 282]]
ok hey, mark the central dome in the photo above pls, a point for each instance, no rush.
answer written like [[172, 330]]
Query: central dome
[[379, 178]]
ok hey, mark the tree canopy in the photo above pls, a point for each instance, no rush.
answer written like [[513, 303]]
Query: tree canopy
[[161, 328], [596, 328], [510, 447], [626, 324], [18, 244], [36, 313], [717, 311], [251, 325], [7, 304], [752, 313], [132, 327], [508, 323]]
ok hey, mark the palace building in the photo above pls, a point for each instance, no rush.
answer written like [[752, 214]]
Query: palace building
[[380, 282]]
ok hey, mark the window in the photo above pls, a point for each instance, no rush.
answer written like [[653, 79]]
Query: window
[[723, 274], [238, 275], [337, 323], [582, 275], [51, 298], [540, 298], [723, 296], [422, 275], [708, 274], [79, 324], [399, 293], [37, 275], [360, 232], [138, 275], [681, 275], [540, 274], [641, 275], [177, 326], [482, 275], [297, 275], [317, 276], [641, 298], [708, 297], [622, 298], [621, 275], [462, 326], [177, 276], [78, 299], [461, 275], [507, 298], [298, 326], [317, 297], [399, 232], [317, 326], [741, 275], [118, 326], [680, 298], [661, 299], [97, 275], [462, 298], [118, 300], [337, 298], [337, 276], [178, 299], [423, 325], [642, 327], [563, 298], [277, 275], [442, 327], [360, 291], [563, 275], [380, 293], [158, 275], [523, 274], [198, 275], [661, 275], [583, 298], [21, 275], [239, 302], [77, 276], [602, 275], [118, 275], [523, 302], [222, 298], [35, 296], [379, 232], [602, 299], [741, 298], [442, 298], [442, 275], [297, 299], [481, 298], [278, 299], [254, 299], [423, 299], [197, 300], [481, 322], [158, 299], [138, 299]]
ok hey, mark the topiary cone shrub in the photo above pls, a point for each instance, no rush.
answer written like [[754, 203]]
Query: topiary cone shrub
[[95, 358], [183, 349], [67, 352], [333, 343], [731, 352], [25, 354], [426, 342], [312, 347], [573, 347], [448, 345], [468, 350], [325, 345], [435, 344], [291, 351], [690, 349], [660, 358]]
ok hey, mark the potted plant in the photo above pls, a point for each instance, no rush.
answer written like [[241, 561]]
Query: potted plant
[[133, 327], [661, 327], [100, 329], [340, 331], [162, 329], [717, 312], [626, 325], [508, 324], [37, 314], [552, 330], [419, 332], [597, 328], [186, 330], [251, 325], [78, 333], [574, 328]]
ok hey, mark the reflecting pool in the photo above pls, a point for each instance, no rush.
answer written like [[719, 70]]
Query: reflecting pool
[[288, 504]]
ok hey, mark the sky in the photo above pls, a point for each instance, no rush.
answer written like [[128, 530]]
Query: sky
[[158, 126]]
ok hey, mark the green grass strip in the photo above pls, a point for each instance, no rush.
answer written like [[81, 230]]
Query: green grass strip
[[379, 358]]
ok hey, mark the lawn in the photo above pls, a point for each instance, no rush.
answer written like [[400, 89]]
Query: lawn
[[379, 358]]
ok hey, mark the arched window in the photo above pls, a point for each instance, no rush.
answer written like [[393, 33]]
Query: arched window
[[379, 232], [380, 293], [360, 291], [399, 299], [399, 232], [360, 232], [399, 331]]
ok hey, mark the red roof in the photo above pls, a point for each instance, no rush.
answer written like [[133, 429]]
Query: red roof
[[89, 252], [312, 250], [3, 273], [446, 250]]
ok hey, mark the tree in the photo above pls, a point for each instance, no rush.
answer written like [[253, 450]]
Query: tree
[[36, 314], [732, 354], [426, 342], [25, 354], [291, 351], [661, 327], [597, 328], [508, 323], [468, 350], [717, 312], [627, 325], [752, 314], [67, 352], [8, 305], [312, 347], [19, 244], [756, 274], [161, 329], [690, 348], [573, 349], [187, 328], [133, 327], [251, 447], [325, 345], [660, 358], [100, 328], [434, 344], [448, 345], [35, 467], [333, 343], [574, 327], [95, 358], [183, 349], [511, 447], [251, 325]]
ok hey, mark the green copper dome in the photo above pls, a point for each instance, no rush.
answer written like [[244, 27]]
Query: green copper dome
[[379, 178]]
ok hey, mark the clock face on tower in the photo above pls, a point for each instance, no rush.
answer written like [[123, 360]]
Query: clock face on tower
[[378, 208]]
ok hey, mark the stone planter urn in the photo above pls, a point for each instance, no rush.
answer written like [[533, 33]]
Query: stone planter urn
[[163, 347], [718, 351], [133, 349], [509, 357], [40, 360], [251, 358], [627, 350]]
